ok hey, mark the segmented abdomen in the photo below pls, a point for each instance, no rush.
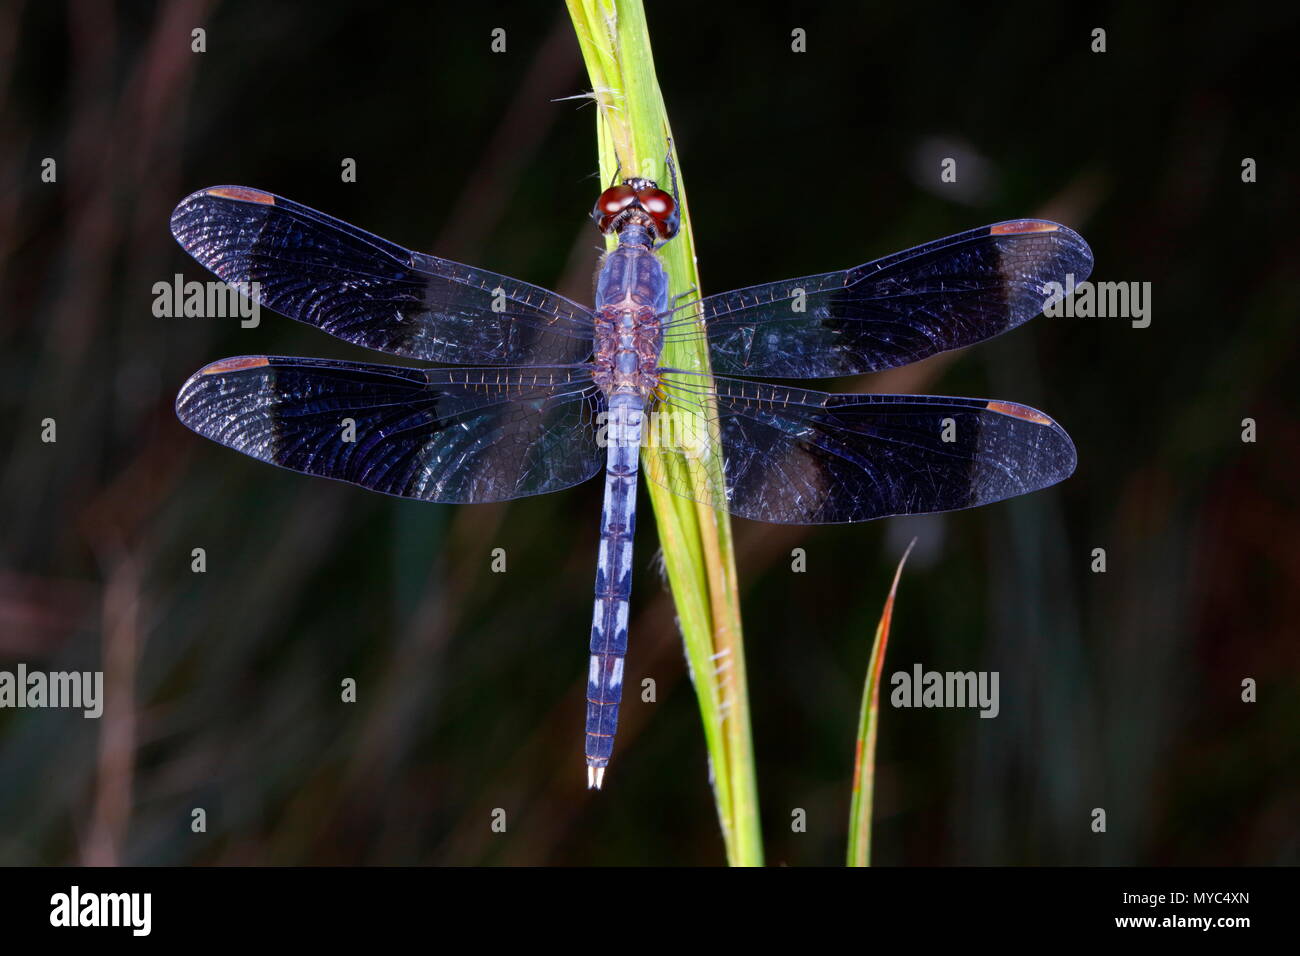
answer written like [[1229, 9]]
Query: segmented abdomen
[[613, 578]]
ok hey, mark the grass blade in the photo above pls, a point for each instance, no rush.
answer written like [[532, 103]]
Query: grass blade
[[633, 134], [864, 767]]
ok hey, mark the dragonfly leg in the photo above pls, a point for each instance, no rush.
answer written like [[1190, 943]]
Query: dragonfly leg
[[672, 306], [672, 172]]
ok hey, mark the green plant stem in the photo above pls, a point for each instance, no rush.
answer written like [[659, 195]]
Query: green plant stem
[[633, 135]]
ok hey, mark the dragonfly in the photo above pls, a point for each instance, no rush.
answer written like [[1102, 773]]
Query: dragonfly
[[531, 392]]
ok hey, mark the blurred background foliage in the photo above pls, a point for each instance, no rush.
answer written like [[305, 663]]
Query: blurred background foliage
[[1119, 690]]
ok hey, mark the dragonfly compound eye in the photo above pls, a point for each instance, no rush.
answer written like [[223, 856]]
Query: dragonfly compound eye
[[612, 202], [662, 209]]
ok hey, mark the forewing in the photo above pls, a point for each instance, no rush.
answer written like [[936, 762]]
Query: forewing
[[448, 435], [792, 456], [943, 295], [371, 292]]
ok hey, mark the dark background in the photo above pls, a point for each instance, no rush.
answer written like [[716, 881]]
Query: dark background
[[1118, 690]]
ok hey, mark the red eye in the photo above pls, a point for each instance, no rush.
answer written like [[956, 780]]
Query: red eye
[[662, 209], [657, 203], [615, 199], [612, 202]]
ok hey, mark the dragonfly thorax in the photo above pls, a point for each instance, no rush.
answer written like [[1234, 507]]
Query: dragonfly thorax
[[631, 295]]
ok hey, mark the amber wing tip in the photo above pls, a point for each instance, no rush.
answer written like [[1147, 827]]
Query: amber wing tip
[[1023, 412], [242, 193], [1022, 227], [235, 364]]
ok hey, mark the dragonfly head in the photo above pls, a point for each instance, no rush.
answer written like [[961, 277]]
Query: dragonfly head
[[638, 201]]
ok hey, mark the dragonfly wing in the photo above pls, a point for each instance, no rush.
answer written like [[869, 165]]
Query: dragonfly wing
[[448, 435], [792, 456], [943, 295], [371, 292]]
